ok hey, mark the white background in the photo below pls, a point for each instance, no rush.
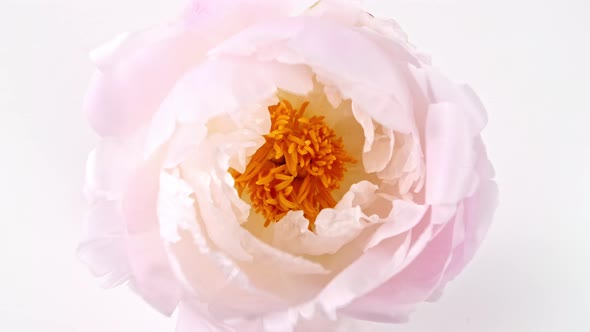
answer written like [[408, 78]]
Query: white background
[[527, 59]]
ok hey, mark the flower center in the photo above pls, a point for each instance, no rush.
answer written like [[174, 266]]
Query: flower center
[[297, 168]]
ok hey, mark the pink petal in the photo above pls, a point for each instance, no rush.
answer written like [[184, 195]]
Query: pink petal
[[136, 71], [354, 281], [442, 259], [450, 155], [194, 317], [478, 211], [153, 277], [103, 247], [136, 76], [140, 197], [319, 324], [438, 89], [414, 284], [110, 166]]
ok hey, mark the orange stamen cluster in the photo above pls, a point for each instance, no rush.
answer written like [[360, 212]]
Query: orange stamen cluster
[[300, 164]]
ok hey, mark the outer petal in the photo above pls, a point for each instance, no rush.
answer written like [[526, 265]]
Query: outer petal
[[135, 76], [437, 89], [354, 280], [443, 258], [320, 324], [152, 275], [477, 217], [122, 241], [111, 165], [103, 247], [136, 71], [450, 155], [109, 169], [194, 316], [392, 301], [388, 251]]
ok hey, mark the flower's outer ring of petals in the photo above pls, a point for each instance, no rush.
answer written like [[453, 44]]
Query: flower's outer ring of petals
[[345, 12], [477, 216], [137, 70], [353, 281], [436, 88], [294, 321], [375, 84], [103, 247], [319, 323], [194, 316], [152, 276], [388, 258], [463, 235], [451, 155], [110, 166], [478, 213], [132, 81], [393, 246], [393, 300], [427, 276]]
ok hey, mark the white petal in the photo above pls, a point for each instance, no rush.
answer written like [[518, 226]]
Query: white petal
[[175, 207], [218, 206], [334, 227], [208, 273]]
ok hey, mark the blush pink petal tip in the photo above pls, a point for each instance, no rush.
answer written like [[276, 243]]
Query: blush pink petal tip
[[137, 70], [178, 104]]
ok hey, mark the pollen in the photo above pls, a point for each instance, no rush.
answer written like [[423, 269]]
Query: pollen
[[301, 162]]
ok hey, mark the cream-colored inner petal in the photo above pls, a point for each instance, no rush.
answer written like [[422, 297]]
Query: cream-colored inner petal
[[387, 161]]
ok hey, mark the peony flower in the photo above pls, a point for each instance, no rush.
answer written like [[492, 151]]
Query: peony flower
[[268, 166]]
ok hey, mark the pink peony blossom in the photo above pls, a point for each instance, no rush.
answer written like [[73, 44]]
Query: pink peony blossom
[[272, 166]]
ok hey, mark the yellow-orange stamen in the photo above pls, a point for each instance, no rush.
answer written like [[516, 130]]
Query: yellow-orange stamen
[[300, 164]]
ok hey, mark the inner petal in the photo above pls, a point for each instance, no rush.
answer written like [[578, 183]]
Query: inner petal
[[301, 162]]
